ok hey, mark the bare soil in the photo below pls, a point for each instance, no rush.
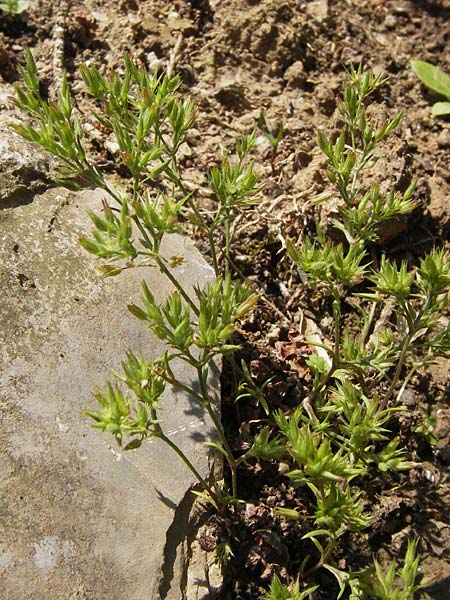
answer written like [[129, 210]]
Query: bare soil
[[287, 58]]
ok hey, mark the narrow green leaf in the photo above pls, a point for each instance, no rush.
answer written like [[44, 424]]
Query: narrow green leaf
[[137, 312], [315, 533], [287, 513], [69, 184]]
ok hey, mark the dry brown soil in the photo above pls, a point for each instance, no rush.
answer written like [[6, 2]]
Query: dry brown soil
[[288, 58]]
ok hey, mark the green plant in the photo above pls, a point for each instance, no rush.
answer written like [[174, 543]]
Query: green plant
[[393, 584], [339, 433], [437, 81], [14, 7], [273, 136], [367, 584], [426, 427], [278, 591], [149, 120], [416, 299]]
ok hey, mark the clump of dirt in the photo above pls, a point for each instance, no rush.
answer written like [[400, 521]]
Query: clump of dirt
[[287, 58]]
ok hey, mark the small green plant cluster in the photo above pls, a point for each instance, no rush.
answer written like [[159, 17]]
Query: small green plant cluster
[[274, 137], [149, 119], [340, 432], [14, 7], [392, 584], [437, 81]]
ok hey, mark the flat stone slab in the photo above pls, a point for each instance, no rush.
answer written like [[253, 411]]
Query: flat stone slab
[[78, 517]]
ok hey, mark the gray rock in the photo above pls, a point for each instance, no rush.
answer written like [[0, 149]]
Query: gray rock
[[24, 167], [78, 517]]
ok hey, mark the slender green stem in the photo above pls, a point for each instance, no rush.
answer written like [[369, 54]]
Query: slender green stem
[[321, 386], [227, 242], [368, 322], [218, 425], [161, 435], [96, 177], [337, 329], [160, 262], [162, 267], [403, 353], [191, 467], [172, 380], [201, 221], [414, 325], [356, 171]]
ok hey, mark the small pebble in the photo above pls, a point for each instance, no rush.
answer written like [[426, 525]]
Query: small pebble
[[283, 468], [400, 9], [408, 397], [390, 22], [444, 138], [154, 63], [429, 475], [295, 74]]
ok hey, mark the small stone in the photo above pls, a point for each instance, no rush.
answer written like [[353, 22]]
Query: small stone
[[400, 9], [408, 397], [134, 18], [295, 74], [185, 151], [283, 468], [112, 146], [176, 23], [154, 63], [203, 574], [390, 22], [317, 9], [444, 138], [250, 511], [101, 17], [429, 475]]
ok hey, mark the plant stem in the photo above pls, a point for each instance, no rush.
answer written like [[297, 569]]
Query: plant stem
[[200, 219], [161, 435], [227, 241], [335, 361], [414, 325], [218, 425], [403, 352], [160, 262], [191, 467], [162, 267]]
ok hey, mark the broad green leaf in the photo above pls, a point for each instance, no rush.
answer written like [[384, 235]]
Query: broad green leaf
[[441, 109], [432, 77]]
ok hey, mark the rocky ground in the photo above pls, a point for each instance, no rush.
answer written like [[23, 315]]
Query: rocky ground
[[237, 58]]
